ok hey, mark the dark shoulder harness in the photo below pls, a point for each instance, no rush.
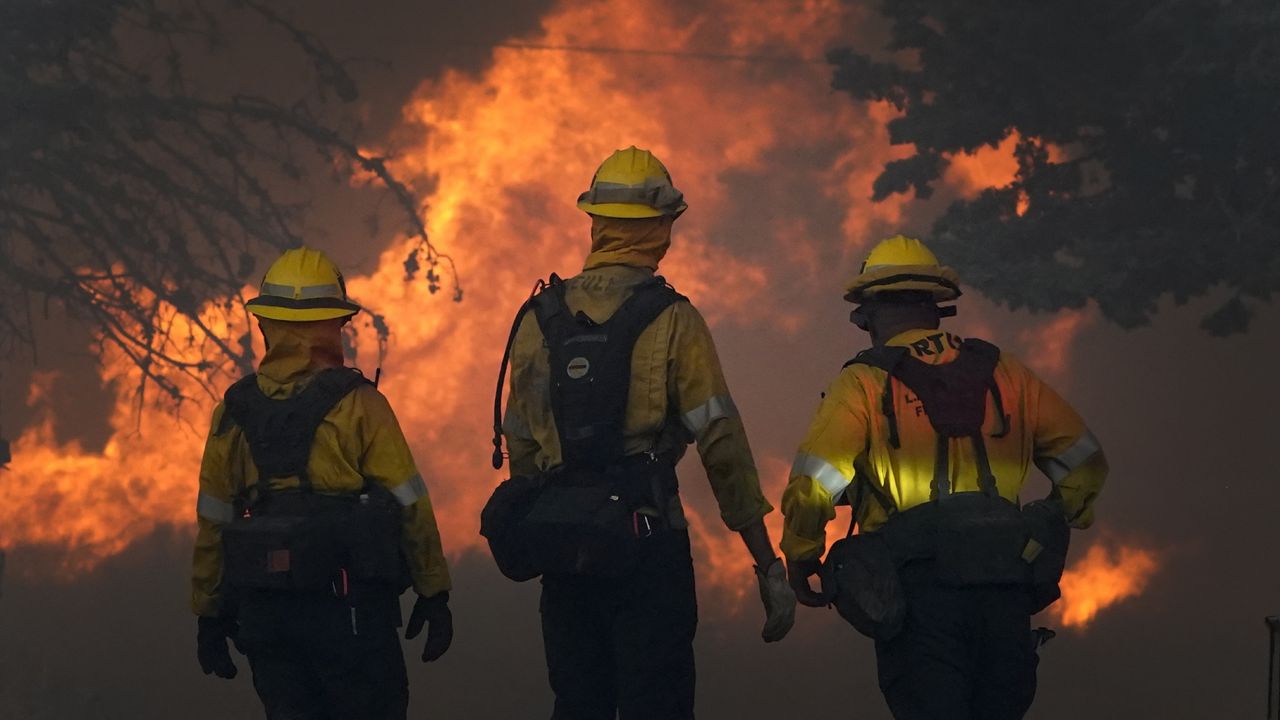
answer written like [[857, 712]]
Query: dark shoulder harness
[[281, 432], [590, 367], [954, 396]]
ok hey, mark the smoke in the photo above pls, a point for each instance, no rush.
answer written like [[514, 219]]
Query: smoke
[[777, 170]]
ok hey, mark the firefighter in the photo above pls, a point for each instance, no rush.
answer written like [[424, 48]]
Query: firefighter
[[930, 438], [313, 518], [614, 374]]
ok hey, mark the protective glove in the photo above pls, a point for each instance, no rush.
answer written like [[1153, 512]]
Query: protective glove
[[433, 612], [779, 601], [211, 646], [798, 573]]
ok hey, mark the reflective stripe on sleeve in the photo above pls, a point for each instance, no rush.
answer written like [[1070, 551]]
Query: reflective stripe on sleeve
[[699, 418], [1061, 465], [410, 491], [831, 479], [215, 510]]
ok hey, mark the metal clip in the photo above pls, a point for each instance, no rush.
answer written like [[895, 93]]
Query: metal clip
[[341, 585], [636, 518]]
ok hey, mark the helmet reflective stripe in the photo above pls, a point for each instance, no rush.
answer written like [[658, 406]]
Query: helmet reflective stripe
[[306, 292], [653, 193], [632, 183], [303, 285]]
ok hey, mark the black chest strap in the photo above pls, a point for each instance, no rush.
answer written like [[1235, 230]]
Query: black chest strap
[[954, 396], [281, 433]]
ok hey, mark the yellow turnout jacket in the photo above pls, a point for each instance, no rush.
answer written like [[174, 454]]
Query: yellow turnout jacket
[[678, 392], [359, 440], [848, 443]]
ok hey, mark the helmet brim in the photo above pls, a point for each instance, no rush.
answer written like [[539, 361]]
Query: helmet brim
[[289, 310], [625, 210], [939, 281]]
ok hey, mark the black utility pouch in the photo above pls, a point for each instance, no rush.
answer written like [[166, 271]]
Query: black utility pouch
[[868, 591], [500, 525], [980, 541], [1047, 546], [373, 538], [581, 525], [912, 534], [282, 552]]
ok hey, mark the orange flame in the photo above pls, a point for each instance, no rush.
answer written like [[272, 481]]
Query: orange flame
[[993, 166], [504, 152], [987, 167], [1102, 578]]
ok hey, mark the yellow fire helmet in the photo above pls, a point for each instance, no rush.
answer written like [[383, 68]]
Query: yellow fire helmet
[[901, 263], [301, 286], [632, 183]]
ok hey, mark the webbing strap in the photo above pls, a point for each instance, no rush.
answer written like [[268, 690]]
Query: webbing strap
[[280, 433], [998, 400], [855, 507], [890, 414], [986, 478], [591, 368], [885, 358], [941, 485], [954, 397]]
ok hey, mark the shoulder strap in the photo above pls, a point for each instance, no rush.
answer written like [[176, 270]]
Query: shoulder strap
[[549, 307], [639, 311], [887, 359], [884, 357], [989, 355], [590, 374], [954, 398], [281, 433]]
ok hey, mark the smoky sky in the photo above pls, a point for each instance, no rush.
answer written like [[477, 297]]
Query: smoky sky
[[1188, 422]]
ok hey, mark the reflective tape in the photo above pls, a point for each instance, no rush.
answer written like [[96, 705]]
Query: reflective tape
[[699, 418], [657, 193], [823, 472], [410, 491], [1061, 465], [306, 292], [215, 510]]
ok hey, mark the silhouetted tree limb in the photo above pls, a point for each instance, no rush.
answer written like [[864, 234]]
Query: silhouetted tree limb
[[135, 199], [1164, 180]]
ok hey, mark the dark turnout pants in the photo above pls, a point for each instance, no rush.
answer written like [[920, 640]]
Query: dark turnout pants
[[965, 653], [624, 648], [313, 660]]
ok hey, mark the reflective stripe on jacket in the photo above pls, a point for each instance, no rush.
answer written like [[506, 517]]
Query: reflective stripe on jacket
[[848, 443], [359, 439], [678, 392]]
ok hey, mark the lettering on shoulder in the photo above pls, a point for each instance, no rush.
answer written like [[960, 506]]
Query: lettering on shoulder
[[935, 344]]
